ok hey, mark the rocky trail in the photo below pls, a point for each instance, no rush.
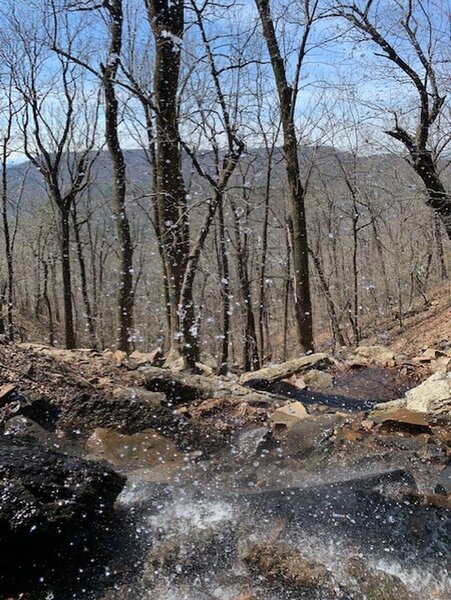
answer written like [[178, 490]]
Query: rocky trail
[[325, 477]]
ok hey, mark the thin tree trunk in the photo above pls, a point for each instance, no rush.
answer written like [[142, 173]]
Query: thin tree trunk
[[334, 321], [261, 301], [251, 359], [296, 192], [439, 245], [8, 246], [225, 291], [118, 192], [67, 279], [83, 279], [286, 302], [45, 295]]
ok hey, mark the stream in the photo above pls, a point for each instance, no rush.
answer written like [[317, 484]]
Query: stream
[[188, 540], [254, 522]]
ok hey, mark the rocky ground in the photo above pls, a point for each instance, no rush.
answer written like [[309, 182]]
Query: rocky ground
[[364, 435]]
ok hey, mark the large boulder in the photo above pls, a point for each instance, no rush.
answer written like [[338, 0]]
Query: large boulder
[[183, 386], [50, 506], [264, 377], [380, 356], [432, 397], [310, 434]]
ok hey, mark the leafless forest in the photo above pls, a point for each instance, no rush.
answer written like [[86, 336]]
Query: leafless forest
[[235, 178]]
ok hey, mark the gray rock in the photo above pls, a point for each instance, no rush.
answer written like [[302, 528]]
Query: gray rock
[[444, 482], [264, 377], [310, 434]]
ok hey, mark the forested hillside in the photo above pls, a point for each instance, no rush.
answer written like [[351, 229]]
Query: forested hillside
[[241, 180]]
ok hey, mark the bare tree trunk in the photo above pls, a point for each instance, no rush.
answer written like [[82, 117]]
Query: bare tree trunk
[[225, 291], [251, 359], [67, 280], [45, 295], [354, 314], [286, 303], [118, 192], [8, 245], [439, 245], [167, 23], [296, 192], [83, 279], [334, 321], [261, 300]]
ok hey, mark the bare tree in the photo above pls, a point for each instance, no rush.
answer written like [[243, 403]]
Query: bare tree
[[287, 94], [59, 142], [415, 57]]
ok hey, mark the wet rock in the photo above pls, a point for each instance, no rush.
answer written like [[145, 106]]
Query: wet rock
[[289, 414], [262, 378], [443, 485], [403, 419], [34, 406], [432, 397], [48, 501], [146, 449], [281, 566], [86, 413], [6, 390], [253, 442], [374, 584], [310, 434], [22, 430]]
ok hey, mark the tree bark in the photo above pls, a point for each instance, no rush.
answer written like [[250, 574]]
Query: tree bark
[[67, 279], [296, 192], [83, 280], [118, 193]]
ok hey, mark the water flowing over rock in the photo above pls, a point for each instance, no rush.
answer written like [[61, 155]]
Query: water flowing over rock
[[87, 413], [146, 449]]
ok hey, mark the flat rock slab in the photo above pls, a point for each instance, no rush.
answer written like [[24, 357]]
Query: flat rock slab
[[263, 377], [371, 508], [183, 387], [403, 418]]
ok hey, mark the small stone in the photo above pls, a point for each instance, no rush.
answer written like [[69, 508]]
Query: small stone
[[289, 414], [119, 357], [6, 390], [403, 418], [318, 380]]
